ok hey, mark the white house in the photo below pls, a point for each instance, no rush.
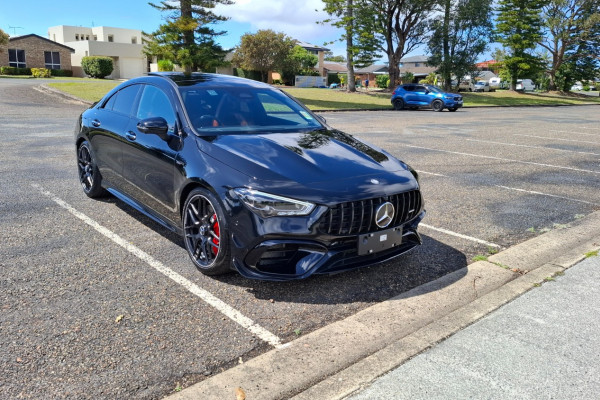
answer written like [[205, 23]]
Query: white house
[[124, 46]]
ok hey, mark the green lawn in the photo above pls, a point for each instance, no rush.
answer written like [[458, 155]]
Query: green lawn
[[333, 99]]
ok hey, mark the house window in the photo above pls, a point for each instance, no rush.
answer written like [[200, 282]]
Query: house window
[[133, 39], [52, 59], [16, 58], [87, 37], [77, 36], [417, 64], [95, 37], [111, 38], [401, 65]]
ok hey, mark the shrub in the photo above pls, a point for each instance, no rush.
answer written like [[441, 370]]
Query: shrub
[[248, 74], [343, 79], [382, 81], [97, 66], [165, 65], [14, 71], [277, 82], [61, 72], [333, 78], [40, 72], [586, 88]]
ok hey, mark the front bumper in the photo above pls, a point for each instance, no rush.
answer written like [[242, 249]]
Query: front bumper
[[287, 257]]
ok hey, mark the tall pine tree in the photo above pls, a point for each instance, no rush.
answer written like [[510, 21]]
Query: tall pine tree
[[188, 37], [519, 29]]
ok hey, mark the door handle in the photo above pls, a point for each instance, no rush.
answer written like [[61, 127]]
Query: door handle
[[96, 123], [130, 135]]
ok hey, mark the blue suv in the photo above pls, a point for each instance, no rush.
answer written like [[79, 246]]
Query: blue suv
[[413, 96]]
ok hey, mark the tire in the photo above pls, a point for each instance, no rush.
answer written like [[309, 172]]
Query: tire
[[399, 104], [453, 109], [89, 176], [437, 105], [205, 233]]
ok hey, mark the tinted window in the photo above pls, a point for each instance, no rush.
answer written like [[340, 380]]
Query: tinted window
[[408, 88], [155, 103], [419, 88], [125, 99], [16, 58]]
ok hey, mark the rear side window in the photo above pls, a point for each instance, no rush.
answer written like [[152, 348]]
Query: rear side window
[[122, 101]]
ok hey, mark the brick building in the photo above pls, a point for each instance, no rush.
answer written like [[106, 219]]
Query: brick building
[[33, 51]]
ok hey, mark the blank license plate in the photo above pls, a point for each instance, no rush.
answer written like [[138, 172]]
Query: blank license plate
[[378, 241]]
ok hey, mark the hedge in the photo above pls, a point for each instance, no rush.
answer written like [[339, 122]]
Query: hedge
[[61, 72], [40, 72], [14, 71], [97, 66]]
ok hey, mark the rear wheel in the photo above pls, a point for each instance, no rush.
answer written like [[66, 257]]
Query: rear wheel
[[205, 233], [399, 104], [89, 176], [437, 105]]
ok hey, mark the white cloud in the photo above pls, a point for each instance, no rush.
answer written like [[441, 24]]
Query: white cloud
[[297, 19]]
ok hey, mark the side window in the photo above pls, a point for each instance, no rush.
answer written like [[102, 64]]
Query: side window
[[125, 98], [110, 103], [408, 88], [420, 89], [155, 103]]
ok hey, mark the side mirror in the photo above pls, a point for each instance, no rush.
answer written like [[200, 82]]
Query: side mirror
[[155, 126]]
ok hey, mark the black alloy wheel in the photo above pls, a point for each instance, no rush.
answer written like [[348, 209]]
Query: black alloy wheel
[[89, 176], [205, 233], [437, 105], [399, 104]]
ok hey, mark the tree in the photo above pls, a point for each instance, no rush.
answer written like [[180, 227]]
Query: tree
[[518, 28], [188, 38], [298, 62], [97, 66], [3, 38], [460, 34], [263, 51], [329, 56], [570, 34], [342, 13]]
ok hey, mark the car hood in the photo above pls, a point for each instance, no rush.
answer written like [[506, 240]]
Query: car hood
[[319, 160]]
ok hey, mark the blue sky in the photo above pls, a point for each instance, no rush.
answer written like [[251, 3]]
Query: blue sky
[[294, 18]]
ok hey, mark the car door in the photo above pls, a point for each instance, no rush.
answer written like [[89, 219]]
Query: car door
[[108, 124], [422, 95], [148, 159]]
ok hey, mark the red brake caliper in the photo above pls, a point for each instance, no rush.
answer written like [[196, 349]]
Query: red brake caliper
[[215, 228]]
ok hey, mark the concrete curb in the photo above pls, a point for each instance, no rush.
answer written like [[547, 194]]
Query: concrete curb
[[55, 92], [340, 358]]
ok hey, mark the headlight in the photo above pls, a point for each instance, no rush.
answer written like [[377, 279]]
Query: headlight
[[269, 205]]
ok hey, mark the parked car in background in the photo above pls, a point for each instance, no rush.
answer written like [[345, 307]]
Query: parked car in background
[[495, 83], [577, 86], [525, 85], [249, 177], [482, 86], [413, 96], [467, 85]]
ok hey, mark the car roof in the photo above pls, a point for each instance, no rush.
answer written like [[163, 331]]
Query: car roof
[[206, 79]]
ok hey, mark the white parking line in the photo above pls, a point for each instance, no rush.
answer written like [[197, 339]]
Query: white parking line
[[533, 147], [431, 173], [574, 133], [503, 159], [210, 299], [547, 194], [460, 235], [553, 138]]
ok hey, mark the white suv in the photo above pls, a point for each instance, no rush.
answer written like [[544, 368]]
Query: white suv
[[525, 85]]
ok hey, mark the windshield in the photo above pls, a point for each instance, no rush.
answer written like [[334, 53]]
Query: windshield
[[244, 109]]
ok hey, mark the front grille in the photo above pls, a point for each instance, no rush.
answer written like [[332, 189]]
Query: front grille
[[358, 217]]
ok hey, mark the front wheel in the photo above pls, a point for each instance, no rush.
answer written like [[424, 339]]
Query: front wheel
[[89, 176], [399, 104], [205, 233], [437, 105]]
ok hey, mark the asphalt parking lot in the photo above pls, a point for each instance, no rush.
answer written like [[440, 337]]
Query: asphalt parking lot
[[100, 302]]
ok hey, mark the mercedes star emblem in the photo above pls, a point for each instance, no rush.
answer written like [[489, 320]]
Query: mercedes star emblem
[[384, 214]]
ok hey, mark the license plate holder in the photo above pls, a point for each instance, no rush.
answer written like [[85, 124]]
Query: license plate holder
[[375, 242]]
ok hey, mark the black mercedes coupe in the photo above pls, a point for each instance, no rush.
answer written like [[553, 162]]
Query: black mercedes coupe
[[249, 177]]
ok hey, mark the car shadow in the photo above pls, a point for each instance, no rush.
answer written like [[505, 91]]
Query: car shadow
[[372, 284]]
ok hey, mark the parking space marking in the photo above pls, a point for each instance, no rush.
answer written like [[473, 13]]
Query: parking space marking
[[553, 138], [547, 194], [431, 173], [503, 159], [460, 235], [574, 133], [533, 147], [209, 298]]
